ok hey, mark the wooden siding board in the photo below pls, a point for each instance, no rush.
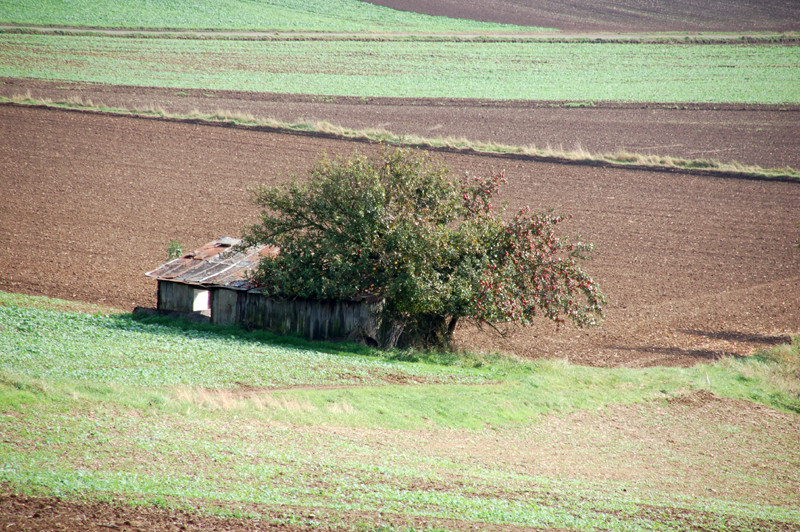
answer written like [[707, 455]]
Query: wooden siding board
[[224, 307], [176, 297], [312, 319]]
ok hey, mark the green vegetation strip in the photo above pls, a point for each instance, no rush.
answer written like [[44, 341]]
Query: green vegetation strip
[[150, 411], [273, 15], [160, 353], [620, 159], [525, 37], [139, 351], [746, 73]]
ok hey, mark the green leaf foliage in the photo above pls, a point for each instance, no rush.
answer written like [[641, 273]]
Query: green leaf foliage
[[400, 227]]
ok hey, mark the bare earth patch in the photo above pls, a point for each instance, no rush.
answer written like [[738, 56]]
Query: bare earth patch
[[695, 446], [44, 514]]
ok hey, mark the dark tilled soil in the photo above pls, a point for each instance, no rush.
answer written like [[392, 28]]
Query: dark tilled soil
[[19, 513], [44, 514], [694, 267], [618, 15], [768, 136]]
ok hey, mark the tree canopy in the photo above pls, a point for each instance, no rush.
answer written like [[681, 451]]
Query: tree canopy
[[399, 226]]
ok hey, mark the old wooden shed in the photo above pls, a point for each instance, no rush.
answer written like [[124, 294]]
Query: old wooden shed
[[216, 281]]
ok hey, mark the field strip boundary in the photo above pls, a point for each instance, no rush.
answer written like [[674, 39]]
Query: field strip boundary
[[552, 36], [579, 157]]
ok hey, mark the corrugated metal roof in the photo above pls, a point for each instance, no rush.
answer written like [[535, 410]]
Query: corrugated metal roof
[[218, 263]]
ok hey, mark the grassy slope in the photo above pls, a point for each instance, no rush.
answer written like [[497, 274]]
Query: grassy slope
[[275, 15], [146, 409], [537, 71]]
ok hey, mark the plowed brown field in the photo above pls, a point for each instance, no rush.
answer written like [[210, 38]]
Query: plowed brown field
[[618, 15], [694, 267], [768, 136]]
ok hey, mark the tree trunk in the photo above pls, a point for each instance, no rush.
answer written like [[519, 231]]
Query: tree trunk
[[451, 327], [389, 332]]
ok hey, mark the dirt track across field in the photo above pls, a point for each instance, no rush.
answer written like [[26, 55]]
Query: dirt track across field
[[617, 15], [768, 136], [694, 267]]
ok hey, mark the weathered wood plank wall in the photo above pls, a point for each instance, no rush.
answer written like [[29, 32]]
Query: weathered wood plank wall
[[357, 320], [312, 319]]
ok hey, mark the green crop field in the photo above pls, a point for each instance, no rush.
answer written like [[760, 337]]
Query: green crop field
[[123, 351], [147, 411], [507, 70], [263, 15]]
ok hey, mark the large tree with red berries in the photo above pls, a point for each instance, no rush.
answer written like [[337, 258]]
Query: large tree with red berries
[[433, 247]]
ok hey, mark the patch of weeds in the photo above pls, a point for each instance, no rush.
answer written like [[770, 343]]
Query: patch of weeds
[[159, 502], [174, 250], [782, 370], [702, 163], [771, 376], [16, 391], [577, 104], [181, 93], [323, 99]]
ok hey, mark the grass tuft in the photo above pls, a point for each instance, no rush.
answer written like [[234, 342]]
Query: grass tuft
[[780, 367]]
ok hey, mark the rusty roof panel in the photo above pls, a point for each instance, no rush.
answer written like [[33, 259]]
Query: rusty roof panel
[[204, 271], [210, 251], [218, 263]]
